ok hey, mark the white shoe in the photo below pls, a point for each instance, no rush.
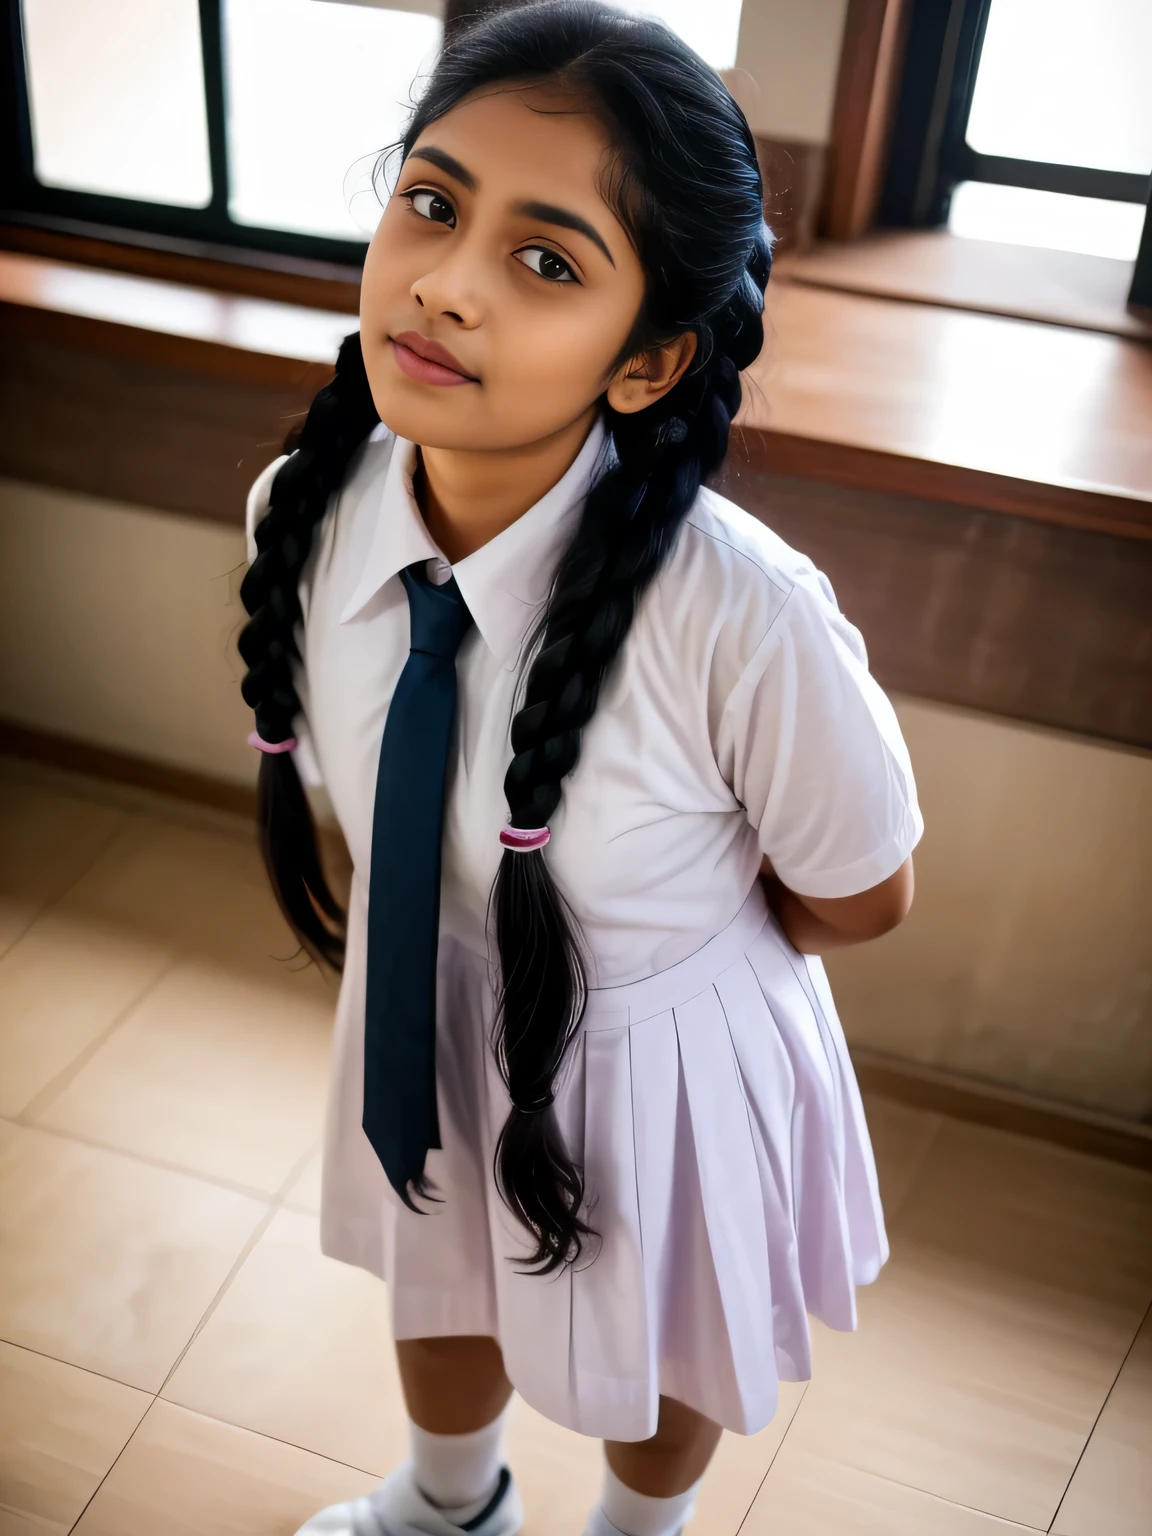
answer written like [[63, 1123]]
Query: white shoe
[[398, 1508]]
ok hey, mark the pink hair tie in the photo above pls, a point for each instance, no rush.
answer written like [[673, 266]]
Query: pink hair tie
[[256, 740], [524, 839]]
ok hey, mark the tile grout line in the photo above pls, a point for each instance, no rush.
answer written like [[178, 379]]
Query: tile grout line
[[43, 1354], [253, 1238], [247, 1191], [274, 1205], [54, 901], [772, 1461], [1100, 1415], [45, 1097]]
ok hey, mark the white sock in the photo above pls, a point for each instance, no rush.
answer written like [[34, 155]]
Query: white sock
[[457, 1473], [624, 1512]]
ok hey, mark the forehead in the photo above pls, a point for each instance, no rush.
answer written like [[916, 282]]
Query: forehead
[[527, 141]]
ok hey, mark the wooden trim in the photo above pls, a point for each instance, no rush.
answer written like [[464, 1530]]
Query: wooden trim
[[868, 469], [95, 762], [257, 274], [935, 267], [867, 88], [1004, 1109]]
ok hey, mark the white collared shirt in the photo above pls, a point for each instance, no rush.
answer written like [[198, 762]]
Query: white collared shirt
[[740, 718]]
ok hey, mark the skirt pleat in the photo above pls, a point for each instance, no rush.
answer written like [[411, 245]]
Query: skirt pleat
[[730, 1181]]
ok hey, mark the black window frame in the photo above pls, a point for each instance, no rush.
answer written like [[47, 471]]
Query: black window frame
[[930, 155], [208, 231]]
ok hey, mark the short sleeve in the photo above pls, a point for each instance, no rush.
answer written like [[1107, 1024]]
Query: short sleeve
[[258, 498], [815, 753]]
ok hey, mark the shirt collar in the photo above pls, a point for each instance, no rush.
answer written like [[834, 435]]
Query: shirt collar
[[505, 582]]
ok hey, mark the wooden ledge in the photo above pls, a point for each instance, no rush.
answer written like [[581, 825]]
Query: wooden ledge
[[980, 411], [199, 329], [1036, 421]]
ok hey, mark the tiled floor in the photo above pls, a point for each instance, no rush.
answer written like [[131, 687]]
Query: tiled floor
[[179, 1360]]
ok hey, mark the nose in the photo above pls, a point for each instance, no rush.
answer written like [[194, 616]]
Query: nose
[[450, 288]]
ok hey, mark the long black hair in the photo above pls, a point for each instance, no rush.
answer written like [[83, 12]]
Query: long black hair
[[684, 181]]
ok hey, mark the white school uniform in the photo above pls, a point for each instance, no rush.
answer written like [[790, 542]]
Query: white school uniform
[[709, 1095]]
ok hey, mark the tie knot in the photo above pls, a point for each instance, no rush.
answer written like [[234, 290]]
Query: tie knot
[[438, 616]]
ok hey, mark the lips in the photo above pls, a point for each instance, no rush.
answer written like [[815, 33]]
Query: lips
[[427, 361]]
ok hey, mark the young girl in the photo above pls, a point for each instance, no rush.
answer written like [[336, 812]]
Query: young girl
[[610, 766]]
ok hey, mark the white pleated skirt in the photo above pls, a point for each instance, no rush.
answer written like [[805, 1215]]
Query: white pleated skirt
[[715, 1112]]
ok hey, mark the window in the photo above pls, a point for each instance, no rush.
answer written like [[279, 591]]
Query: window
[[244, 123], [227, 122], [1027, 121]]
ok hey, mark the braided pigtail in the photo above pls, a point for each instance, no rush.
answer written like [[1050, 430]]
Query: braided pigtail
[[340, 418], [628, 529]]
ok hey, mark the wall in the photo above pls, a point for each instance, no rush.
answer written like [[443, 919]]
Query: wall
[[787, 60], [116, 627], [1026, 959]]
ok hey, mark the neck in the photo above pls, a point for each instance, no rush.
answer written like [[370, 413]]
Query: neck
[[469, 496]]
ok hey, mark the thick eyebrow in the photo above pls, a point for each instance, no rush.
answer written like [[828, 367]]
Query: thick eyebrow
[[564, 219], [447, 163]]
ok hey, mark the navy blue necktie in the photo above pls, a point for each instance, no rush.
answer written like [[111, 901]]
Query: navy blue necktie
[[400, 1118]]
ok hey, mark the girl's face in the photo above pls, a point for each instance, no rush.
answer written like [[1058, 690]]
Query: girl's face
[[499, 288]]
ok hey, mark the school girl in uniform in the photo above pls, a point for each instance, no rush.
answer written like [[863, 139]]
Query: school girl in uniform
[[612, 772]]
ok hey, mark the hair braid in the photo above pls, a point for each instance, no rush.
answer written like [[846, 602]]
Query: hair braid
[[628, 529], [340, 418]]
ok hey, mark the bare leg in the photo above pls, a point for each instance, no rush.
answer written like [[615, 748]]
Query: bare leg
[[675, 1457], [453, 1386]]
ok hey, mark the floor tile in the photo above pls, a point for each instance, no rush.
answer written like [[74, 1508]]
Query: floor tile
[[559, 1473], [216, 1071], [901, 1137], [304, 1193], [66, 982], [184, 1475], [300, 1348], [1112, 1488], [107, 1262], [806, 1495], [47, 841], [739, 1468], [204, 893], [60, 1430], [1019, 1275]]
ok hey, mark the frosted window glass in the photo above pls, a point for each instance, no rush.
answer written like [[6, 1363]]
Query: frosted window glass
[[116, 92], [709, 26], [314, 92], [981, 210], [1066, 82]]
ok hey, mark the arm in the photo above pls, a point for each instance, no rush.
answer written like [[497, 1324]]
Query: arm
[[814, 924]]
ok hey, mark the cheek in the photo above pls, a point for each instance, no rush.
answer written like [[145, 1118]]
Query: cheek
[[549, 366]]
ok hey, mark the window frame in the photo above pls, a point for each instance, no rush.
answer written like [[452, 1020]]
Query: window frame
[[929, 154], [25, 201]]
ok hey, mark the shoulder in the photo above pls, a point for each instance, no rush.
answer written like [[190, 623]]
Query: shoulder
[[729, 564], [370, 462]]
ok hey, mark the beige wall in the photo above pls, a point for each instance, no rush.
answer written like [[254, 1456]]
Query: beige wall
[[116, 627], [787, 59], [1027, 956]]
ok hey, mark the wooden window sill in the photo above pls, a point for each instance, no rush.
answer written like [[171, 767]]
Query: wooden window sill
[[984, 411], [987, 411], [978, 489], [934, 267]]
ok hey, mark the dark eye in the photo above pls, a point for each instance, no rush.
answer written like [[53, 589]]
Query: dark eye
[[430, 205], [538, 258]]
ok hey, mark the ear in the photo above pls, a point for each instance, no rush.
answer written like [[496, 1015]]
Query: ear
[[647, 376]]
